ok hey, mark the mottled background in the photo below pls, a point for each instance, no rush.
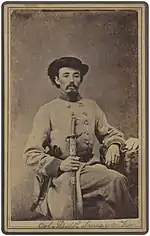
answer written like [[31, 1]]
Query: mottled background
[[105, 40]]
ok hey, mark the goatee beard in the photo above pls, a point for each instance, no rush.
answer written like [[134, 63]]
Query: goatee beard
[[73, 95]]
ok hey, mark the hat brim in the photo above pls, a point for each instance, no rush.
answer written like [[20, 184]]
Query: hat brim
[[84, 69]]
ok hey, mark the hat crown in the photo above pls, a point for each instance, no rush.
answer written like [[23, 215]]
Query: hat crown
[[70, 60]]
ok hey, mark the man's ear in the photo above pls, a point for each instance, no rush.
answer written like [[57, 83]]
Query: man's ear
[[57, 80]]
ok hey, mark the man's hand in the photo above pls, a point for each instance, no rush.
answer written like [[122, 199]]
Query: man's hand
[[70, 164], [112, 155]]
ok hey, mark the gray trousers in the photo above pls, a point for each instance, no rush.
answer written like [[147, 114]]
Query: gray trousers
[[95, 180]]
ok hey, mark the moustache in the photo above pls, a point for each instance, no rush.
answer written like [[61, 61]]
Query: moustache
[[71, 85]]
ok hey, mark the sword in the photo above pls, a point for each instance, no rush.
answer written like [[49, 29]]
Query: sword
[[72, 147]]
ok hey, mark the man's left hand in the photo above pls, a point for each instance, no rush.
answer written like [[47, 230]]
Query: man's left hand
[[112, 155]]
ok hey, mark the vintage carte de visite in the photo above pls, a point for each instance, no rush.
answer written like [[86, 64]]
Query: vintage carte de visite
[[75, 109]]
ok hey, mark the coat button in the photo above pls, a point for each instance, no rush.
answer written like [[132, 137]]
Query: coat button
[[85, 113], [81, 104], [86, 122], [86, 141], [85, 132]]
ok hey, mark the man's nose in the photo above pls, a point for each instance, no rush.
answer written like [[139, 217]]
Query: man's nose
[[71, 78]]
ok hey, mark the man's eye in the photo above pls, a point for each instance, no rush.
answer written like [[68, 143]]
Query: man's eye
[[66, 76], [77, 76]]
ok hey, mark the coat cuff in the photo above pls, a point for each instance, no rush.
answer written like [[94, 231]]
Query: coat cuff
[[119, 142], [52, 169]]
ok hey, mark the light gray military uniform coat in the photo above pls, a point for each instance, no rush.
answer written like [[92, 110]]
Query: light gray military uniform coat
[[51, 127]]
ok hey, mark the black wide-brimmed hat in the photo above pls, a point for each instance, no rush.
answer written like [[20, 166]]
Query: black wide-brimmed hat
[[70, 62]]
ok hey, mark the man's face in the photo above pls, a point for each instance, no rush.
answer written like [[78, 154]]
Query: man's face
[[68, 79]]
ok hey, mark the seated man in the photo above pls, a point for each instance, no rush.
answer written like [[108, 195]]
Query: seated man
[[48, 150]]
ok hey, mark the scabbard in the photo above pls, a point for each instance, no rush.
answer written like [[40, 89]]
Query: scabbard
[[74, 195]]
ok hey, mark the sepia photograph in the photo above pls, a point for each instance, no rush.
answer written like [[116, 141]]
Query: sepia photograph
[[74, 119]]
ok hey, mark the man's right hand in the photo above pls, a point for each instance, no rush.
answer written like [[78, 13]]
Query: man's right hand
[[70, 164]]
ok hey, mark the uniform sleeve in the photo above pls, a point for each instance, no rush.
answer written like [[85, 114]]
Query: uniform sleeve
[[105, 133], [34, 153]]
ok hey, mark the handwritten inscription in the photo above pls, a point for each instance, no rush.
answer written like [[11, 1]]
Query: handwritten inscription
[[84, 224]]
